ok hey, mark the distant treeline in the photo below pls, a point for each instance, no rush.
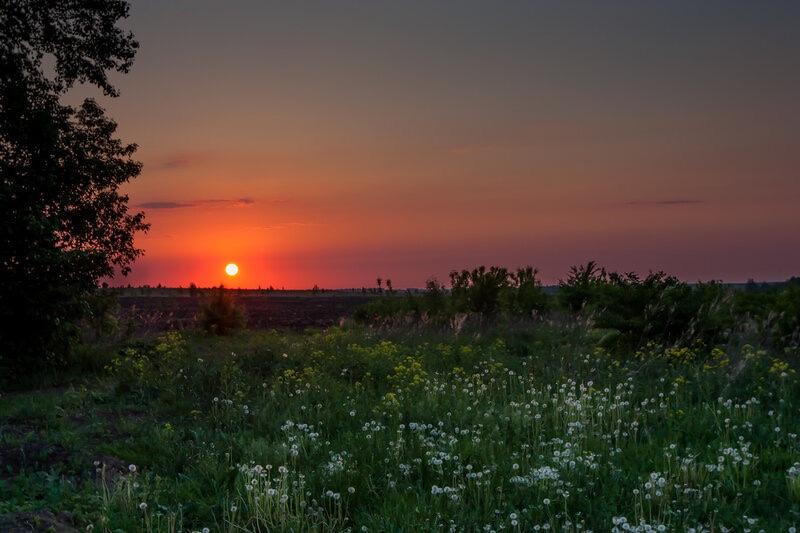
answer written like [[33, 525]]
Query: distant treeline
[[624, 308], [194, 290]]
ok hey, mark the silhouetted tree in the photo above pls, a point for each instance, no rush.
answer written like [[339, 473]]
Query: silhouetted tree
[[379, 283], [63, 222], [389, 285], [580, 285], [219, 312], [478, 290]]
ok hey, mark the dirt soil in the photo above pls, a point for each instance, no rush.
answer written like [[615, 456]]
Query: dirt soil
[[271, 311], [30, 456], [39, 521]]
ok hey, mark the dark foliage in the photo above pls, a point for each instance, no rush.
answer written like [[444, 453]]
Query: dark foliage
[[489, 293], [658, 307], [773, 311], [64, 224], [220, 314], [626, 310]]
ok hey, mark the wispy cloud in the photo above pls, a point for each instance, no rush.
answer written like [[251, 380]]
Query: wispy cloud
[[667, 202], [219, 202], [164, 205], [172, 162], [234, 202], [288, 225]]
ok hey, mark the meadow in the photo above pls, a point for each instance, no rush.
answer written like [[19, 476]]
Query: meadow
[[503, 425], [349, 429]]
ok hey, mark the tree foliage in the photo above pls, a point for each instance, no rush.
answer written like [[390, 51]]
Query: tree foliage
[[64, 222], [624, 309]]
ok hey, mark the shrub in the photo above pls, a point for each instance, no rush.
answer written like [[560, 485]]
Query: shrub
[[526, 297], [627, 310], [581, 286], [478, 290], [658, 307], [220, 314]]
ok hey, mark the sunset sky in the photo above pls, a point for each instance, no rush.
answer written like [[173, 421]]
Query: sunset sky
[[332, 142]]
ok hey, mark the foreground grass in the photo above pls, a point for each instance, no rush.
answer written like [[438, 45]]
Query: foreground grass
[[349, 429]]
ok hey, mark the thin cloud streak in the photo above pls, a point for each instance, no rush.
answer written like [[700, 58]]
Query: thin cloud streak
[[658, 203], [164, 205], [235, 202], [288, 225], [174, 162]]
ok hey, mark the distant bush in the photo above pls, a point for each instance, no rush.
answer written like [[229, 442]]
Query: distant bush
[[773, 311], [497, 290], [220, 314], [525, 296], [434, 299], [656, 308], [478, 290], [581, 286], [485, 293], [626, 310]]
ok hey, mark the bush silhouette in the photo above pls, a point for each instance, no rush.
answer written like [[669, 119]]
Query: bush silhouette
[[220, 314]]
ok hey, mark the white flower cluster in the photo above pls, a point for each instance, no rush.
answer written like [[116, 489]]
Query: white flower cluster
[[337, 462], [621, 525], [450, 492], [536, 476], [729, 456]]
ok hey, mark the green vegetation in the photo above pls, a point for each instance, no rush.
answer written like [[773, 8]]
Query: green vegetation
[[631, 311], [506, 426]]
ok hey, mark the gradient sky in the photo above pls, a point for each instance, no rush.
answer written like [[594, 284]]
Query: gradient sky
[[333, 142]]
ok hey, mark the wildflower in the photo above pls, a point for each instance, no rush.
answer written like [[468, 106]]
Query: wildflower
[[546, 501], [132, 468], [351, 490], [143, 506]]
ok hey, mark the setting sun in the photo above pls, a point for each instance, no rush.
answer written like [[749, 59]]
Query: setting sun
[[231, 269]]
